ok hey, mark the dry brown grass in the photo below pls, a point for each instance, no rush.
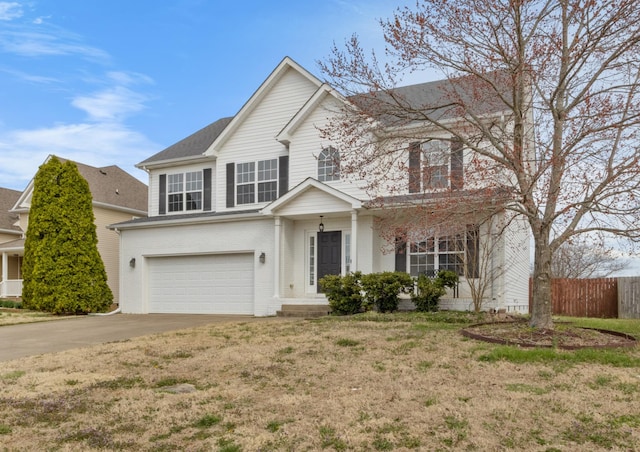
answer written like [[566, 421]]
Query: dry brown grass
[[311, 385], [17, 316]]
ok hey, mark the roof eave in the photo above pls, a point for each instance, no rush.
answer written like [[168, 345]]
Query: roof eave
[[174, 162]]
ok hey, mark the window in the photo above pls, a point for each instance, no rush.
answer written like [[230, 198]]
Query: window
[[435, 164], [267, 180], [264, 183], [184, 191], [329, 164], [445, 253]]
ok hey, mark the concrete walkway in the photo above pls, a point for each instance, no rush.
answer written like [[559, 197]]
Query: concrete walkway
[[17, 341]]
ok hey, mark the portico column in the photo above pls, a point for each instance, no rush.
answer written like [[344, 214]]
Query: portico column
[[276, 257], [354, 241], [5, 274]]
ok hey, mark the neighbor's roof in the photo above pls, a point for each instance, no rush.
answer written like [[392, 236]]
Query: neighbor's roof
[[8, 199], [113, 186]]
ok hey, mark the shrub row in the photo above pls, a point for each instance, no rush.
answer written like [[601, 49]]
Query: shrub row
[[10, 304], [356, 292]]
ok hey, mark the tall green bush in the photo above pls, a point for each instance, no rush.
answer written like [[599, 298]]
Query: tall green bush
[[343, 292], [429, 290], [63, 272], [382, 290]]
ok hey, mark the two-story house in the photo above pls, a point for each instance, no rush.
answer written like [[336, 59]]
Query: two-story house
[[248, 213], [117, 196]]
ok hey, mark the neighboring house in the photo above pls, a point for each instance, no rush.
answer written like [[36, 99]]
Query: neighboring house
[[11, 243], [235, 211], [117, 196]]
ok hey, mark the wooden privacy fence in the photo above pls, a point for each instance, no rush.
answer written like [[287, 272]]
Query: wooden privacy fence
[[629, 298], [583, 297]]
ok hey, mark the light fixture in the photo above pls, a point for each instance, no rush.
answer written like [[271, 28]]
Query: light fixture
[[262, 257], [132, 262], [321, 225]]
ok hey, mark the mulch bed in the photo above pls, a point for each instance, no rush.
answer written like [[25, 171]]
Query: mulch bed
[[563, 336]]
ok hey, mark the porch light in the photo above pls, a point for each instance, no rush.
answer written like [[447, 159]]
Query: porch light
[[321, 225], [132, 262], [262, 257]]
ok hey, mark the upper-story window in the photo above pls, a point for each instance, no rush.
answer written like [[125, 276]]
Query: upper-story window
[[329, 164], [263, 182], [435, 164], [184, 191]]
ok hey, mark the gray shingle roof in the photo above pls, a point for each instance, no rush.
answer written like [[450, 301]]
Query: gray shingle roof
[[8, 198], [435, 99], [194, 145], [438, 100]]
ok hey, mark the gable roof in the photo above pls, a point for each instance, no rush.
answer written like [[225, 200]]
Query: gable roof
[[196, 145], [307, 185], [8, 198], [266, 86], [110, 186]]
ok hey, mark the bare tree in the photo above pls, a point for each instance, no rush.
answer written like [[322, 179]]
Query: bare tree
[[585, 260], [568, 67]]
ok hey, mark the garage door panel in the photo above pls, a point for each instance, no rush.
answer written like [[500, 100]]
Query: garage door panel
[[208, 284]]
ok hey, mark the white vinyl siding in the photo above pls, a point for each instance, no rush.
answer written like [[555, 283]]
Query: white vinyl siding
[[255, 136]]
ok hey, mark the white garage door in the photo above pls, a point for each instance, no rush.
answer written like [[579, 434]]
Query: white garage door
[[208, 284]]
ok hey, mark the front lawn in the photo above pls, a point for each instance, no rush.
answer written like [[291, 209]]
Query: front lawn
[[367, 382]]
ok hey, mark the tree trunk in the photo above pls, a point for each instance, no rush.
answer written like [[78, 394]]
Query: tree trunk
[[542, 307]]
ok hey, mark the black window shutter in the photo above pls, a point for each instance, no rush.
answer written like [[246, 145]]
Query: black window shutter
[[283, 175], [162, 202], [414, 167], [473, 258], [206, 180], [457, 165], [401, 255], [231, 172]]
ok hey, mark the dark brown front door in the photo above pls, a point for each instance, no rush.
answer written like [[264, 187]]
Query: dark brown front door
[[329, 254]]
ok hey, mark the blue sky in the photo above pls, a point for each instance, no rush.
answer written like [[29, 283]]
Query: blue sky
[[107, 82]]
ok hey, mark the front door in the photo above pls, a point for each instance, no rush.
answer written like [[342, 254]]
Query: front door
[[329, 254]]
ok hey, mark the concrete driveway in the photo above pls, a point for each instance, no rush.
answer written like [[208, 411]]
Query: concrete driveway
[[17, 341]]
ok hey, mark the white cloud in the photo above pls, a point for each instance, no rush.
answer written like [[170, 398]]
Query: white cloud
[[103, 144], [112, 104], [40, 79], [10, 10], [52, 42]]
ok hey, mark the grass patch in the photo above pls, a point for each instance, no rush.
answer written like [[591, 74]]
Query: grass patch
[[347, 343], [609, 357], [208, 420], [12, 376], [328, 438], [628, 326], [116, 383], [614, 432]]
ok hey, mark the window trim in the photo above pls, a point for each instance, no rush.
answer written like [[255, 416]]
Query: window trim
[[329, 164], [254, 180], [435, 159], [182, 196], [469, 254]]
